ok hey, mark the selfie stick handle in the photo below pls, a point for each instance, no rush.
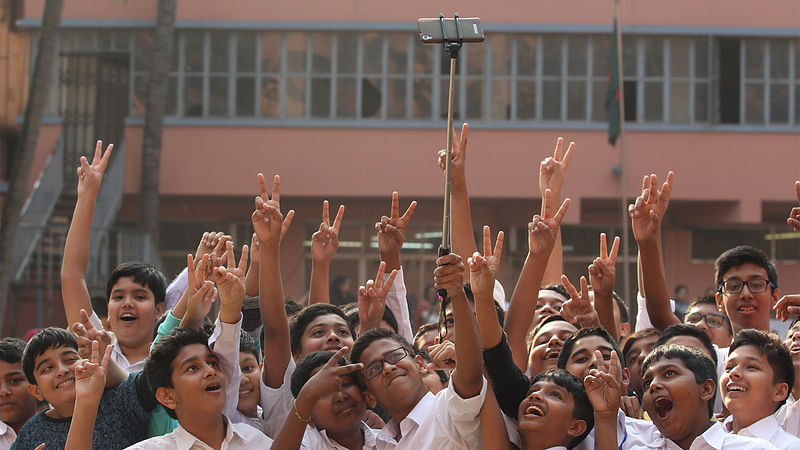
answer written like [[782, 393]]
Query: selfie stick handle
[[452, 47]]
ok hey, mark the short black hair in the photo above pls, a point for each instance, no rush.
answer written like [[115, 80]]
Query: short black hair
[[302, 373], [43, 340], [424, 328], [446, 301], [583, 407], [11, 349], [248, 345], [158, 368], [637, 336], [292, 307], [144, 274], [695, 360], [377, 334], [100, 306], [566, 349], [743, 254], [706, 299], [684, 329], [301, 321], [351, 312], [772, 347]]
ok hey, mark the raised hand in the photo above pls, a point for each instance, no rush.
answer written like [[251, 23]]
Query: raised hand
[[269, 223], [602, 272], [604, 389], [231, 280], [255, 258], [449, 274], [458, 157], [483, 268], [326, 240], [649, 208], [392, 232], [372, 299], [578, 309], [543, 230], [553, 169], [86, 333], [90, 176], [325, 382], [786, 306], [90, 374], [213, 244], [794, 215], [443, 355]]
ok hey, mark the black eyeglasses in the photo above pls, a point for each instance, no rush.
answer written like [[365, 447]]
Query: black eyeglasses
[[712, 320], [735, 285], [376, 367]]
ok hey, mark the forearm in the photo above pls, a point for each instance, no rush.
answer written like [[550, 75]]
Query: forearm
[[605, 431], [273, 315], [509, 384], [655, 285], [462, 238], [522, 308], [115, 375], [76, 260], [251, 279], [489, 327], [467, 378], [81, 428], [293, 430], [555, 264], [493, 428], [604, 305], [318, 291]]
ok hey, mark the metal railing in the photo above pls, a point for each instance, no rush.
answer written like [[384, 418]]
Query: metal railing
[[37, 210]]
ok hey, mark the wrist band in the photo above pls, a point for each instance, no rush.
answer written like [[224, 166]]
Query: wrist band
[[297, 414]]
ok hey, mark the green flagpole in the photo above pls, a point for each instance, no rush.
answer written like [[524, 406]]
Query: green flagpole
[[620, 101]]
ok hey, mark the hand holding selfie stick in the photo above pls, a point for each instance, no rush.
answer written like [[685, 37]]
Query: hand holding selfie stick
[[428, 34]]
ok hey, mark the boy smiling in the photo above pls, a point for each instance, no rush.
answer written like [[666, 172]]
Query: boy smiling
[[17, 405]]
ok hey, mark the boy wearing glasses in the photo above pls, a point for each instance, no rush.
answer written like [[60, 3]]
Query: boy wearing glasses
[[393, 376], [703, 313]]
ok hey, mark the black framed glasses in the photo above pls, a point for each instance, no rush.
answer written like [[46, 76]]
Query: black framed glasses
[[712, 320], [376, 367], [735, 285]]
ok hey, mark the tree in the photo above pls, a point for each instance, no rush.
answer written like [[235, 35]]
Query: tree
[[156, 105], [41, 83]]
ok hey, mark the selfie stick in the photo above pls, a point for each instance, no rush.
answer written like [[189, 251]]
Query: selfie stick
[[452, 47]]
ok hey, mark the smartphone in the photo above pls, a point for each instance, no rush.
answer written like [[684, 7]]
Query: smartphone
[[430, 30]]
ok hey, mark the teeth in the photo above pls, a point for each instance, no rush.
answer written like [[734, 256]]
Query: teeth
[[69, 382], [534, 410], [736, 388]]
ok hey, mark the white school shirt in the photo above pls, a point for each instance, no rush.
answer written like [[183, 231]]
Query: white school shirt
[[238, 436], [116, 353], [7, 436], [255, 422], [788, 416], [769, 430], [441, 421], [714, 438], [629, 433], [315, 439]]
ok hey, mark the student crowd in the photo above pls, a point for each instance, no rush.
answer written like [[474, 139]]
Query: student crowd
[[218, 359]]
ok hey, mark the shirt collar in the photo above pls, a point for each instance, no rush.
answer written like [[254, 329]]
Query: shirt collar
[[369, 437], [415, 418], [764, 428], [184, 440], [714, 435]]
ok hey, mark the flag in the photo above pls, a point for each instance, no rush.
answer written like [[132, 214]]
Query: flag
[[612, 93]]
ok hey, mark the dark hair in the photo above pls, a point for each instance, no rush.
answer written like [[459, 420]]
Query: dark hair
[[100, 306], [248, 345], [43, 340], [424, 328], [446, 301], [637, 336], [144, 274], [684, 329], [427, 358], [740, 255], [624, 317], [313, 360], [531, 337], [696, 361], [777, 354], [351, 312], [301, 321], [566, 349], [158, 368], [377, 334], [11, 349], [583, 407], [707, 299], [292, 307]]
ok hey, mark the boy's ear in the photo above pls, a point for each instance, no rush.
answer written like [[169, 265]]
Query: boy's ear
[[707, 389], [34, 391], [370, 399], [165, 397], [626, 378], [776, 295], [160, 309], [577, 428], [780, 393], [720, 305], [422, 367]]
